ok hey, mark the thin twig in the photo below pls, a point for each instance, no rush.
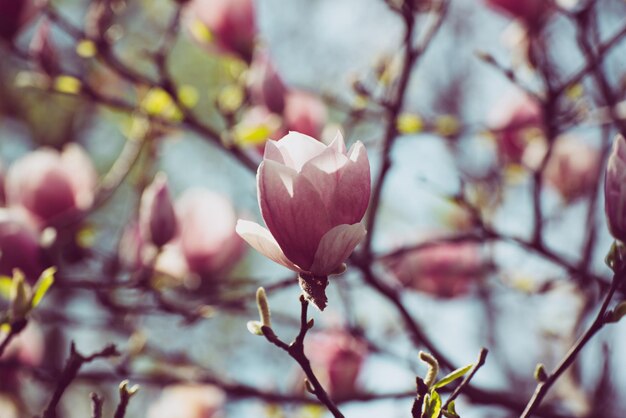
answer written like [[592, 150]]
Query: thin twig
[[482, 355]]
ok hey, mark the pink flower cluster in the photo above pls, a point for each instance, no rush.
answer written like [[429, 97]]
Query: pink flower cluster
[[44, 189], [195, 235]]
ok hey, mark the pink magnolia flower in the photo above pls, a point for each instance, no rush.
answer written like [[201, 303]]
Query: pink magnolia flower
[[615, 189], [444, 270], [52, 185], [336, 358], [188, 401], [231, 23], [19, 245], [530, 12], [305, 113], [573, 168], [264, 84], [312, 198], [515, 122], [157, 219], [206, 232], [14, 15]]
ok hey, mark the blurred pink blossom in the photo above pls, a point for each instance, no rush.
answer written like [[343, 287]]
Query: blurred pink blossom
[[444, 270], [188, 401], [516, 122], [14, 14], [27, 349], [305, 113], [19, 245], [336, 358], [573, 168], [231, 24], [52, 185], [615, 189], [312, 198], [265, 85], [531, 12], [157, 219], [207, 237]]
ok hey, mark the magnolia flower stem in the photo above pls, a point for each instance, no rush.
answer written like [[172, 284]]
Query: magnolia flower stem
[[600, 321], [73, 365], [296, 351]]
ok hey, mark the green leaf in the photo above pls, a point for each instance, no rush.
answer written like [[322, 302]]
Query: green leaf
[[43, 284], [451, 411], [5, 286], [458, 373], [433, 405]]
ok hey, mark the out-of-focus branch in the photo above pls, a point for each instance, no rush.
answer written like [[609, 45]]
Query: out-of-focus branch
[[600, 321], [73, 365]]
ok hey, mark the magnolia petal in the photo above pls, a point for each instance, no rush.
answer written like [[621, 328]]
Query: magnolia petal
[[352, 193], [338, 143], [324, 173], [262, 240], [300, 148], [335, 247], [273, 153], [81, 174], [293, 211]]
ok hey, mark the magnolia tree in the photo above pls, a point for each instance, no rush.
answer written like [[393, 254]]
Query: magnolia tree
[[225, 208]]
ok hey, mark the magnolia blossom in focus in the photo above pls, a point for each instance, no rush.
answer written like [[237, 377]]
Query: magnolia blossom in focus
[[305, 113], [573, 167], [19, 245], [312, 198], [516, 122], [336, 358], [444, 270], [157, 220], [188, 401], [230, 24], [52, 185], [615, 189]]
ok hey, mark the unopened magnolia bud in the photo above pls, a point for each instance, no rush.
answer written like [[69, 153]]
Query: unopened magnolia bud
[[20, 297], [540, 373], [264, 308], [615, 189], [618, 313], [309, 387], [127, 391], [157, 218], [433, 368]]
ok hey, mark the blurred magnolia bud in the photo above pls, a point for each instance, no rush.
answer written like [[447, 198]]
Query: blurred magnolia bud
[[207, 232], [336, 358], [14, 15], [516, 122], [19, 245], [130, 247], [43, 50], [157, 219], [52, 185], [444, 270], [265, 85], [531, 12], [229, 24], [188, 401], [256, 126], [573, 169], [305, 113], [27, 348], [615, 189]]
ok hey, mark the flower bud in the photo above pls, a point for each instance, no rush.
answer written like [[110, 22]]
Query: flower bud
[[265, 85], [188, 401], [157, 219], [615, 189], [230, 24]]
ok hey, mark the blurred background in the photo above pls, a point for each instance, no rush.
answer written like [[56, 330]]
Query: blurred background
[[491, 136]]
